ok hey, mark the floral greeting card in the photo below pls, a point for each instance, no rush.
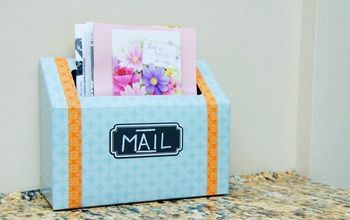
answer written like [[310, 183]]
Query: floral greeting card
[[146, 62], [158, 60]]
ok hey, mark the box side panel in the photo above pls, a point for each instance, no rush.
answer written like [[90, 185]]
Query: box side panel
[[223, 148], [212, 83], [52, 83], [45, 140], [224, 113], [58, 133], [107, 180], [60, 158]]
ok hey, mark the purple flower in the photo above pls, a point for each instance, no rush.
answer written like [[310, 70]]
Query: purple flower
[[155, 80]]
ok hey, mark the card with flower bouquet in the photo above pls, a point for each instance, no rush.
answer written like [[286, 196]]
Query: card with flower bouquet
[[146, 62], [143, 60]]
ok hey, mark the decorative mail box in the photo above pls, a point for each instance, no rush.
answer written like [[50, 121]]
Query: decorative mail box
[[120, 149]]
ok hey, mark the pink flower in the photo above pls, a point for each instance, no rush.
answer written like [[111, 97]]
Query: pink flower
[[132, 57], [122, 77], [135, 90], [122, 71]]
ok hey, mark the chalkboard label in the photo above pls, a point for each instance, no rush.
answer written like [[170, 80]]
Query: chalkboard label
[[145, 140]]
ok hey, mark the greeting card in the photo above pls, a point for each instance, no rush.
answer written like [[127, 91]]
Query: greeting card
[[140, 60], [146, 62]]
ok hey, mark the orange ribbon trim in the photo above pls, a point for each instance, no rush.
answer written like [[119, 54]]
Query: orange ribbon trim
[[74, 134], [212, 114]]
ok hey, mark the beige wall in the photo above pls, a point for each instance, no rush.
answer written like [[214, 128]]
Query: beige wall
[[330, 149], [252, 46]]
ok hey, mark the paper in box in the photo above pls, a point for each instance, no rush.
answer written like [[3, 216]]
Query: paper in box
[[111, 150]]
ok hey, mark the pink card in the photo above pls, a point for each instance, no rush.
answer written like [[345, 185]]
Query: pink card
[[124, 48]]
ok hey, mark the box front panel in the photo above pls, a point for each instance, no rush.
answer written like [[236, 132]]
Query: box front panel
[[109, 180], [129, 174]]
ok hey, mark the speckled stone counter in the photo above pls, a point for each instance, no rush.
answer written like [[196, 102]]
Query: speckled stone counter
[[261, 196]]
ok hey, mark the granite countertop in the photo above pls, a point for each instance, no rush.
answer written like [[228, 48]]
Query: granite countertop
[[260, 196]]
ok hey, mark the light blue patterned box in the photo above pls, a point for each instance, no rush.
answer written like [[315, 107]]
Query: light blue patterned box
[[135, 148]]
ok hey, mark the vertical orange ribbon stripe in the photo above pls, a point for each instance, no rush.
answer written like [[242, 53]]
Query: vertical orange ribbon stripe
[[212, 114], [74, 134]]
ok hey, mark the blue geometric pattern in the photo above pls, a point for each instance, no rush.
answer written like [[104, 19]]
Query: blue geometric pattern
[[107, 180]]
